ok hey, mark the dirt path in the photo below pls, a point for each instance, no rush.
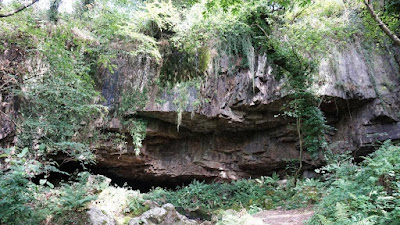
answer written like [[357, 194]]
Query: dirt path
[[285, 217]]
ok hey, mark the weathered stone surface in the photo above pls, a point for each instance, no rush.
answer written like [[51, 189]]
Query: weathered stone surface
[[236, 131], [97, 217], [11, 69], [132, 73], [164, 215]]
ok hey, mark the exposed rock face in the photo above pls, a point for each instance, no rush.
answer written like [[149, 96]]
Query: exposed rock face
[[11, 69], [97, 217], [228, 131]]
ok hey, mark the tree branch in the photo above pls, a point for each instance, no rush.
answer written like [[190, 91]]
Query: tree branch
[[18, 10], [297, 15], [388, 32]]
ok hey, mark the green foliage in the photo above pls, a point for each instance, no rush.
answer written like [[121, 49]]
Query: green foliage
[[156, 18], [131, 101], [22, 201], [235, 4], [389, 14], [223, 32], [58, 101], [298, 72], [53, 11], [199, 41], [137, 129], [181, 100], [63, 204], [103, 18], [16, 190], [75, 196], [392, 6], [314, 28], [307, 192], [204, 58], [135, 205], [145, 45], [201, 199], [148, 24], [57, 96], [362, 194]]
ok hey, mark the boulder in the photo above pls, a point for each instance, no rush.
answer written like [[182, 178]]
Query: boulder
[[164, 215], [97, 217]]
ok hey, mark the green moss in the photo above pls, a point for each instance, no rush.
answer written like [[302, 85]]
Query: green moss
[[204, 58]]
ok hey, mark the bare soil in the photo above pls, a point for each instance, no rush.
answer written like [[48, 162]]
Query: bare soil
[[285, 217]]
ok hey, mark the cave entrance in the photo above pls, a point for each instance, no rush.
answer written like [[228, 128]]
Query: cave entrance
[[147, 182], [142, 182]]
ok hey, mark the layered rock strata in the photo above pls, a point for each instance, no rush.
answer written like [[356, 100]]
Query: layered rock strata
[[232, 126]]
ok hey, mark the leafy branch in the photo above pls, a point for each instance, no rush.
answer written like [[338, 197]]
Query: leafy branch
[[19, 9], [381, 24]]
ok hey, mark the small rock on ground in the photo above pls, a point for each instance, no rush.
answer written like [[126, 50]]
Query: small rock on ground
[[285, 217], [165, 215]]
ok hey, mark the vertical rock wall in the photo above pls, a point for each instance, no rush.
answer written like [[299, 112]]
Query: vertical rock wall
[[12, 68]]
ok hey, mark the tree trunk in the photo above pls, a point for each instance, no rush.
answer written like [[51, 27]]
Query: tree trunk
[[383, 26], [300, 135], [53, 12]]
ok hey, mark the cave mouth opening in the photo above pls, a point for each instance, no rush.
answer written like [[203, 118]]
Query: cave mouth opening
[[146, 183], [142, 182]]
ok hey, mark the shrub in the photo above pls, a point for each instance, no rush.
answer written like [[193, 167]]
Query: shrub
[[156, 18], [75, 195], [16, 193]]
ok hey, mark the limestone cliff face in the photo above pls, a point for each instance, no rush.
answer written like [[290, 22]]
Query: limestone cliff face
[[229, 130]]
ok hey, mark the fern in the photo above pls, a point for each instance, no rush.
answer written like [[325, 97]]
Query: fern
[[363, 194]]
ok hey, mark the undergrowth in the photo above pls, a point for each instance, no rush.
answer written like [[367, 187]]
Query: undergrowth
[[368, 193], [24, 201], [200, 199]]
